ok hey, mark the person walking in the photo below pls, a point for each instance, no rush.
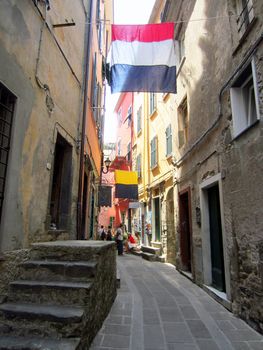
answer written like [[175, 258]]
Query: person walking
[[109, 234], [119, 240]]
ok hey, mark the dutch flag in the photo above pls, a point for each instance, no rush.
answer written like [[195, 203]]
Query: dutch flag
[[143, 58]]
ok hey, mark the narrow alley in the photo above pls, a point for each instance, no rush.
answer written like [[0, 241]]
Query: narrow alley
[[158, 308]]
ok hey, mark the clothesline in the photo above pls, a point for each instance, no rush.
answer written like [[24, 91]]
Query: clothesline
[[176, 22]]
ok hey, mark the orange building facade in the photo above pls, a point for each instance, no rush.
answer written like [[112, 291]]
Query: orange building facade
[[93, 117]]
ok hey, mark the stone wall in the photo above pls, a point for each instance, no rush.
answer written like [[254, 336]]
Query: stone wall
[[213, 52], [10, 269]]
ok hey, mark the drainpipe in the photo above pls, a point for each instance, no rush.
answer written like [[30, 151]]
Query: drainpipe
[[88, 38]]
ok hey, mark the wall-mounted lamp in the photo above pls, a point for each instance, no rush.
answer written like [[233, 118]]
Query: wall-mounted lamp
[[107, 165]]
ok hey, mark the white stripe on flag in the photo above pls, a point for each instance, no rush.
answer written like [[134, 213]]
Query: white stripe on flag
[[143, 54]]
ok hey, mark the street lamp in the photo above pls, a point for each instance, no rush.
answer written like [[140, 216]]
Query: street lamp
[[107, 165]]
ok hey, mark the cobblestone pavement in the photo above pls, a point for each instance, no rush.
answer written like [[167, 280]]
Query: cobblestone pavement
[[158, 308]]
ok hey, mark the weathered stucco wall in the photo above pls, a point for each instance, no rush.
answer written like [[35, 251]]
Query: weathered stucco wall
[[35, 129]]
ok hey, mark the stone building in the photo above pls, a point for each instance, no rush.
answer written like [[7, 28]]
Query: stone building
[[44, 50], [218, 149]]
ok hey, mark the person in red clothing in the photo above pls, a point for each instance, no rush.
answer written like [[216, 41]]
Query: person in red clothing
[[131, 244]]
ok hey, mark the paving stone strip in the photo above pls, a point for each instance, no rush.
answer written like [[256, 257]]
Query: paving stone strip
[[159, 309]]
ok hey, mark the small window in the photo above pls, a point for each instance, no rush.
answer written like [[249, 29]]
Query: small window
[[152, 105], [182, 123], [119, 148], [168, 134], [119, 116], [154, 155], [244, 100], [139, 165], [129, 152], [129, 115], [139, 120], [245, 13]]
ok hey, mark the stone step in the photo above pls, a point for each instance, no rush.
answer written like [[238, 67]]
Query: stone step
[[60, 292], [152, 250], [29, 343], [42, 320], [161, 258], [156, 244], [149, 256], [58, 270], [136, 252], [66, 250]]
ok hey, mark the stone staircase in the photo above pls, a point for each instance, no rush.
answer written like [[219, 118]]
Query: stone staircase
[[153, 252], [64, 292]]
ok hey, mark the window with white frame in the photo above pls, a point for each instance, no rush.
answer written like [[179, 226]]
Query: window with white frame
[[168, 135], [152, 103], [245, 13], [182, 123], [139, 165], [154, 153], [244, 100], [139, 120]]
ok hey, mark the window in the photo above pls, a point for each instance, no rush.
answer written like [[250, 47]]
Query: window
[[165, 12], [168, 134], [139, 120], [129, 152], [98, 15], [245, 15], [244, 100], [182, 123], [152, 106], [129, 115], [181, 48], [139, 165], [7, 106], [120, 116], [154, 159], [112, 221], [119, 148], [94, 84]]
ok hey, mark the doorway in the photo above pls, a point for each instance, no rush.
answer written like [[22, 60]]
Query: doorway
[[157, 219], [84, 207], [216, 241], [216, 270], [61, 184], [185, 231]]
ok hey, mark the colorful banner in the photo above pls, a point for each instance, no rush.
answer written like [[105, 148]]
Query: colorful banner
[[126, 184], [143, 58]]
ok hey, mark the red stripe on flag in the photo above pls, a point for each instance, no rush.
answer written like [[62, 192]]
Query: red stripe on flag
[[144, 33]]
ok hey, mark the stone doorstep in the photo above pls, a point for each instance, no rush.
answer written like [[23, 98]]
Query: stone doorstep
[[51, 313], [160, 258], [149, 256], [136, 252], [17, 343], [68, 268], [152, 250], [156, 244]]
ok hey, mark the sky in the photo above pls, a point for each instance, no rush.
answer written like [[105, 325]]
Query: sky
[[125, 12]]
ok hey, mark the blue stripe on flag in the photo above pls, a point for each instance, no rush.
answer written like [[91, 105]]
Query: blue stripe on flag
[[127, 78]]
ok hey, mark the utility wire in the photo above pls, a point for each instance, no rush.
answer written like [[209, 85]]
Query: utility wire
[[108, 22]]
